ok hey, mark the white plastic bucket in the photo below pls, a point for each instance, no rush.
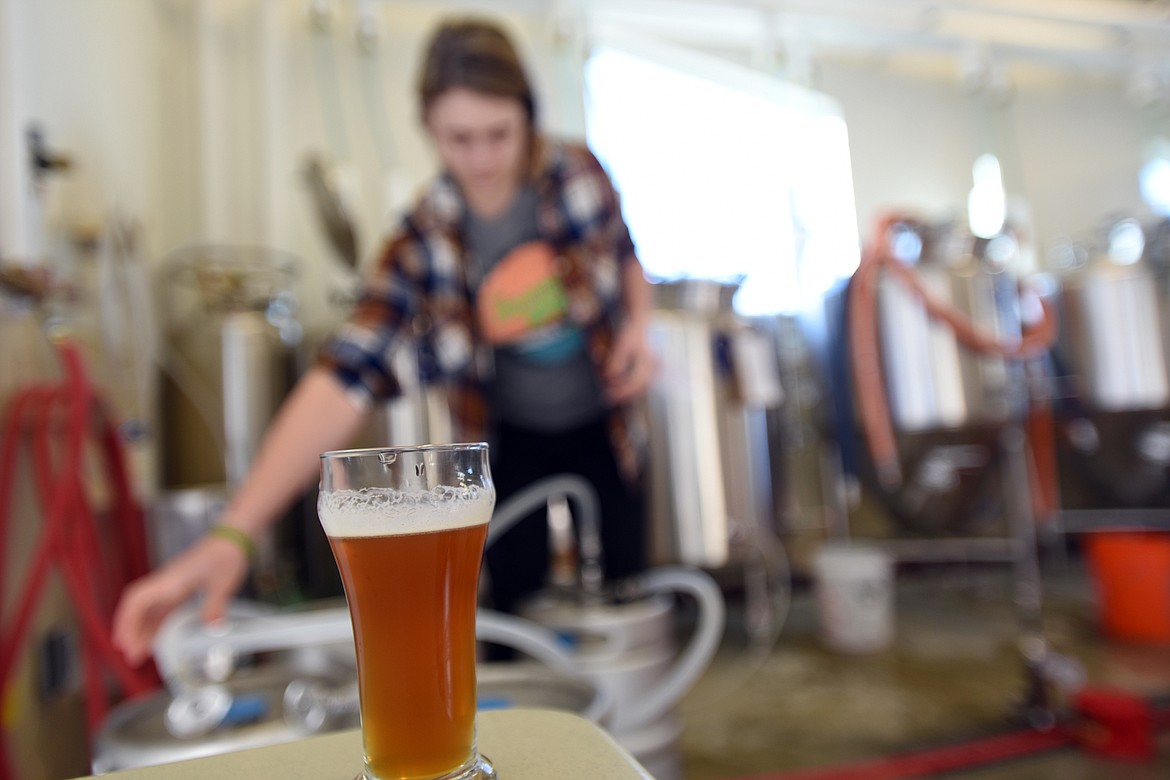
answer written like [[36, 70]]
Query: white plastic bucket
[[855, 598]]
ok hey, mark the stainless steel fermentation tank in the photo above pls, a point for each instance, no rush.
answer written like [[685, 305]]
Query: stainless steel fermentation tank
[[947, 404], [935, 383], [965, 456], [1114, 346], [230, 358], [710, 482], [231, 355]]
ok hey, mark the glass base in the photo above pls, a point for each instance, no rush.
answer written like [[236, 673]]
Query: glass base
[[480, 769]]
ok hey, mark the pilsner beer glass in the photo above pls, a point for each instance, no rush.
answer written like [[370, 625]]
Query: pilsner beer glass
[[407, 527]]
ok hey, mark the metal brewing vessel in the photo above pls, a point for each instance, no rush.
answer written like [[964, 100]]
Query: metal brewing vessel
[[1113, 347], [935, 382], [709, 462], [1114, 329], [947, 402], [230, 358]]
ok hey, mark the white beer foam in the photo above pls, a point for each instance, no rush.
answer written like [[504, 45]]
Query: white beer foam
[[388, 512]]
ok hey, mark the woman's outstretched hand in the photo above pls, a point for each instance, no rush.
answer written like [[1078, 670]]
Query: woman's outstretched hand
[[214, 568]]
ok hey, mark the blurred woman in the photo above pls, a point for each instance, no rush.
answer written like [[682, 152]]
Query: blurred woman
[[515, 278]]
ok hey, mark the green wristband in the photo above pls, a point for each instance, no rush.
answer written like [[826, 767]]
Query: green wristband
[[237, 537]]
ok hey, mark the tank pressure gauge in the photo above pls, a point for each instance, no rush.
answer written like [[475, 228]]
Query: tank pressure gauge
[[905, 244], [1127, 242], [1001, 250]]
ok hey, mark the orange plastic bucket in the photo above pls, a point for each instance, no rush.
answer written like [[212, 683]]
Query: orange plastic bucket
[[1131, 570]]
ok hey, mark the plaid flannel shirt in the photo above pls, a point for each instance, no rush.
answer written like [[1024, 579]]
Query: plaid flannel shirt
[[419, 292]]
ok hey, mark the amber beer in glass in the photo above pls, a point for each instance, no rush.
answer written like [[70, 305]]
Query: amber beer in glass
[[407, 527]]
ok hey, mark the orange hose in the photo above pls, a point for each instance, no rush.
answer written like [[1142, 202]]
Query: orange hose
[[1033, 341], [866, 357]]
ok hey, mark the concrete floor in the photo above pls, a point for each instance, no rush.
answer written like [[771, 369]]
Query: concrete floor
[[952, 675]]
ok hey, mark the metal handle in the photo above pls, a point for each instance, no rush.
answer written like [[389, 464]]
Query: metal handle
[[317, 707]]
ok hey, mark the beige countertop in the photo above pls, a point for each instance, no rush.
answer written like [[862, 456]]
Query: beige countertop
[[524, 744]]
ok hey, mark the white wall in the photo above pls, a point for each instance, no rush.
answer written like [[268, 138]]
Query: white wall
[[1072, 149], [87, 77], [1081, 148], [908, 140]]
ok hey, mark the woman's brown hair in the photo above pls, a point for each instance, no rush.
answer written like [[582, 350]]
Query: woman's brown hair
[[476, 55]]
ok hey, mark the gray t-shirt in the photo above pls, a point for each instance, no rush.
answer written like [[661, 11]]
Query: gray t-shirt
[[544, 380]]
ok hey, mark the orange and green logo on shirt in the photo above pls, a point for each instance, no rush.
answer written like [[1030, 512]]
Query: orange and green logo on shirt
[[521, 294]]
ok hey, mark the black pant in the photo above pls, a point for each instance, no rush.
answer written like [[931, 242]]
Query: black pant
[[518, 561]]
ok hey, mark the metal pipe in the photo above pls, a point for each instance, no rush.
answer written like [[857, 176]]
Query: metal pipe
[[1117, 519], [1037, 705], [587, 518], [186, 639]]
